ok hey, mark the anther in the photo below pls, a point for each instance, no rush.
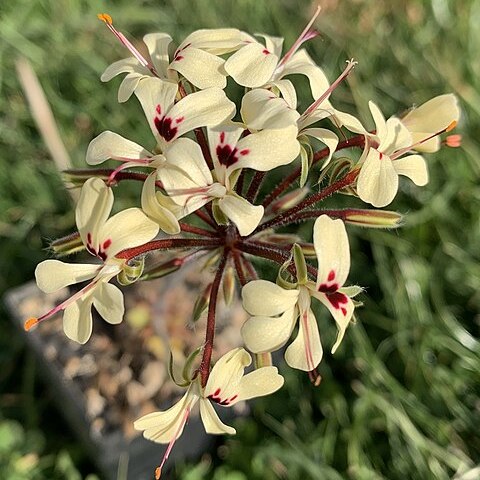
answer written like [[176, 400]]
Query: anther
[[105, 17], [31, 322]]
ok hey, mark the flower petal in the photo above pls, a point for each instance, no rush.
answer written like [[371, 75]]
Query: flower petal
[[127, 65], [129, 85], [396, 137], [341, 307], [287, 91], [333, 253], [379, 119], [111, 145], [52, 275], [377, 181], [93, 209], [263, 298], [160, 208], [259, 383], [77, 320], [305, 352], [273, 44], [212, 423], [157, 44], [268, 334], [263, 109], [128, 228], [108, 301], [201, 68], [242, 213], [252, 66], [414, 167], [325, 136], [216, 40]]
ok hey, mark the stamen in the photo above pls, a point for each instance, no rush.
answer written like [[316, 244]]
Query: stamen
[[315, 377], [453, 141], [350, 66], [306, 333], [107, 19], [307, 34], [31, 322], [128, 162]]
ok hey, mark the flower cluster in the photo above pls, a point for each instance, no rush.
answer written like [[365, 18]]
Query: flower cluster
[[201, 179]]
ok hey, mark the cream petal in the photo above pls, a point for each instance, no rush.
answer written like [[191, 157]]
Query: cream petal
[[216, 40], [330, 240], [201, 68], [129, 85], [108, 301], [128, 228], [341, 307], [212, 423], [263, 109], [157, 97], [273, 44], [127, 65], [266, 150], [222, 140], [379, 119], [163, 427], [205, 108], [242, 213], [268, 334], [305, 352], [52, 275], [77, 320], [287, 91], [414, 167], [93, 208], [325, 136], [160, 208], [259, 383], [111, 145], [302, 63], [377, 181], [396, 137], [252, 66], [348, 121], [157, 44], [263, 298]]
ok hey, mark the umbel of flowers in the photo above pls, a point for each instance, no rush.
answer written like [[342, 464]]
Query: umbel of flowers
[[202, 176]]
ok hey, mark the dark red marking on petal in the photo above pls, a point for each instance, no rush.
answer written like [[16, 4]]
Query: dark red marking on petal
[[245, 151], [381, 155], [106, 243], [265, 51], [102, 255], [222, 137], [217, 392], [331, 275], [338, 299], [233, 398], [165, 128], [89, 238], [179, 120], [226, 155], [158, 109], [328, 289], [178, 58]]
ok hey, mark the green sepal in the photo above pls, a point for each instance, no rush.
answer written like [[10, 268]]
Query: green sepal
[[218, 215], [172, 376], [187, 369], [300, 264], [131, 272]]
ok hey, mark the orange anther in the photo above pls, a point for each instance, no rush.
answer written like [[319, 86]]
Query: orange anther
[[31, 322], [105, 17], [453, 141], [158, 473], [451, 126]]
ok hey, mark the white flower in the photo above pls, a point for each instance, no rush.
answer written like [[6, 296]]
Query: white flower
[[196, 58], [104, 238], [275, 310], [380, 164], [190, 184], [226, 386]]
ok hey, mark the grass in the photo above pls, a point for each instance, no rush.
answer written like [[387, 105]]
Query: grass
[[400, 399]]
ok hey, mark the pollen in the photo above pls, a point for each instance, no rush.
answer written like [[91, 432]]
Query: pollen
[[105, 17], [451, 126], [158, 473], [31, 322]]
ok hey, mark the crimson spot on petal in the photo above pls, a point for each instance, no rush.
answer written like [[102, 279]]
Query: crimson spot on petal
[[265, 51], [331, 275], [245, 151], [165, 128], [106, 243], [222, 137], [337, 299], [226, 156], [158, 109]]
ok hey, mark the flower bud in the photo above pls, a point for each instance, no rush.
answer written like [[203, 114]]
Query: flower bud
[[287, 201], [373, 218], [201, 304], [67, 245], [228, 285], [163, 269]]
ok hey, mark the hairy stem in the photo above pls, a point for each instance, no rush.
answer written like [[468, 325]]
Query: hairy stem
[[255, 186], [238, 267], [197, 230]]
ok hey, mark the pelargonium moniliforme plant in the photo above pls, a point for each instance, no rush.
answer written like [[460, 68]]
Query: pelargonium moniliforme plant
[[207, 167]]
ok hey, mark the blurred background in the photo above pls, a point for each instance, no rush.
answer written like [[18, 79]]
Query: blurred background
[[401, 398]]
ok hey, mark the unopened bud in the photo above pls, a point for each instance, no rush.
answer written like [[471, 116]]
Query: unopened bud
[[78, 177], [373, 218], [67, 245], [229, 285], [201, 304], [287, 201], [306, 158], [163, 269], [271, 236], [300, 264]]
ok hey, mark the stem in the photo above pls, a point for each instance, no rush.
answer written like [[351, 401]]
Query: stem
[[196, 230], [204, 368], [168, 244], [290, 215], [357, 141], [255, 186], [202, 141], [206, 218], [249, 266], [238, 267], [106, 172]]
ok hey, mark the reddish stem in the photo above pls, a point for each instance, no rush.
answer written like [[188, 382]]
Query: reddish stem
[[238, 267], [204, 368], [106, 172], [290, 215], [250, 268], [357, 141], [196, 230], [206, 218], [168, 244], [255, 186]]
